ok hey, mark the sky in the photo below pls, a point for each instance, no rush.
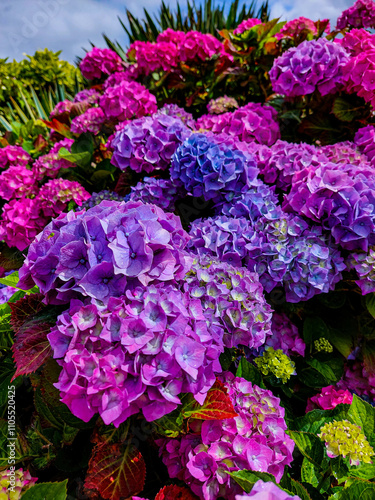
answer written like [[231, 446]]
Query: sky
[[68, 25]]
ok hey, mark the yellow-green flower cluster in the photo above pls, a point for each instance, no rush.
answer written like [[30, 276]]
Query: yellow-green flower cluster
[[322, 345], [276, 363], [346, 439], [13, 484]]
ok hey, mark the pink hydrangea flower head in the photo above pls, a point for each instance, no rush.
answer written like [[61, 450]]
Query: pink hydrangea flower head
[[170, 35], [246, 24], [295, 27], [359, 75], [127, 101], [200, 46], [100, 62], [221, 105], [13, 155], [255, 440], [90, 96], [62, 108], [90, 121], [17, 181], [50, 164], [356, 41], [329, 398], [153, 56], [57, 193]]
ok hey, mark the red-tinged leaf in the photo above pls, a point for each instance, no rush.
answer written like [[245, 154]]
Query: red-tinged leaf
[[24, 309], [31, 347], [217, 406], [173, 492], [59, 127], [123, 184], [116, 471]]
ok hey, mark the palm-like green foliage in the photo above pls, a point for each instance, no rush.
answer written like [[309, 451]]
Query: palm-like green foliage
[[206, 18]]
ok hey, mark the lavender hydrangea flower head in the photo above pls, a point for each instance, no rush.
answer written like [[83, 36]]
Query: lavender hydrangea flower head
[[177, 112], [364, 265], [252, 122], [267, 491], [90, 121], [13, 155], [100, 62], [254, 440], [147, 144], [211, 170], [359, 15], [364, 139], [106, 250], [233, 299], [221, 105], [358, 380], [139, 353], [246, 24], [314, 64], [285, 336], [126, 101], [161, 192]]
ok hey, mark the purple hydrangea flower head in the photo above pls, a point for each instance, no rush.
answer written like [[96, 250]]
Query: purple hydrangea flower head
[[342, 199], [126, 101], [90, 121], [221, 105], [177, 112], [364, 139], [97, 198], [252, 122], [358, 380], [100, 62], [6, 293], [344, 152], [211, 170], [13, 155], [123, 244], [359, 15], [246, 24], [364, 265], [284, 251], [267, 491], [147, 144], [314, 64], [87, 95], [161, 192], [285, 336], [232, 298], [255, 439], [138, 353], [50, 164]]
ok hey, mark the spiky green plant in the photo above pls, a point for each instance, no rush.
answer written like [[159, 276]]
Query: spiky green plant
[[206, 18]]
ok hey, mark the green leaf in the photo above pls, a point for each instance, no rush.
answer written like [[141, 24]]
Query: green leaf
[[247, 478], [249, 372], [364, 471], [313, 421], [370, 303], [363, 414], [317, 374], [13, 279], [47, 491], [314, 328], [294, 487], [310, 446], [226, 358], [82, 159], [358, 490], [170, 425], [345, 111], [308, 473]]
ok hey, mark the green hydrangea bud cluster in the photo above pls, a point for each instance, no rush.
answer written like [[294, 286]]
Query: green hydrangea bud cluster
[[322, 345], [276, 363], [346, 439]]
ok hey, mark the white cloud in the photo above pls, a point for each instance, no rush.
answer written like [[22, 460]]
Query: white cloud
[[312, 9]]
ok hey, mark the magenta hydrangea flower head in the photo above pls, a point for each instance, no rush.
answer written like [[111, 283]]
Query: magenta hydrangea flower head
[[176, 112], [106, 250], [170, 35], [267, 491], [359, 15], [150, 56], [295, 27], [50, 164], [212, 170], [221, 105], [13, 155], [100, 62], [284, 251], [138, 353], [343, 152], [246, 24], [196, 46], [63, 108], [314, 64], [21, 220], [342, 199], [127, 101], [147, 144], [129, 75], [364, 139], [285, 336], [359, 75], [255, 440], [90, 96], [356, 41], [252, 122], [55, 195], [328, 398], [233, 299], [90, 121], [17, 181], [161, 192]]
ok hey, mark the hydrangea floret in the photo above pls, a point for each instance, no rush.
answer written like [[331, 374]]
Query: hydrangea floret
[[346, 439], [23, 481], [323, 345]]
